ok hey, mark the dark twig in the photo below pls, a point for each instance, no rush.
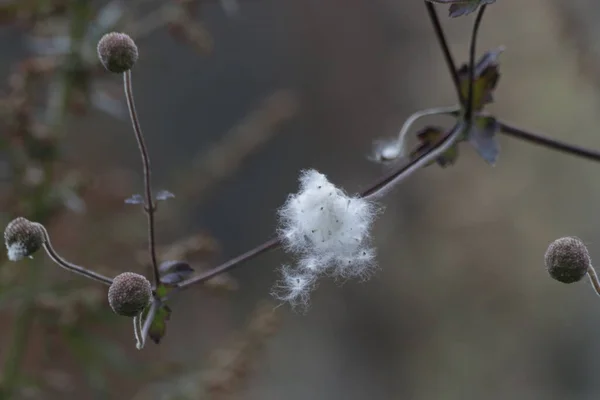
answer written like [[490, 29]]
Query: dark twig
[[553, 144], [231, 264], [441, 37], [472, 54], [68, 265], [149, 206]]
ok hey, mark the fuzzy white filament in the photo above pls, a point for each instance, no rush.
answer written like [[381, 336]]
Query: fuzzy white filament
[[17, 251], [329, 233]]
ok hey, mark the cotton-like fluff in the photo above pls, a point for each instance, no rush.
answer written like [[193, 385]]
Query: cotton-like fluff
[[322, 221], [295, 286], [327, 230]]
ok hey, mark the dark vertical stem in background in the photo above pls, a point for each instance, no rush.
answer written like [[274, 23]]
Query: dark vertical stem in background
[[441, 37], [22, 328], [79, 11], [472, 55], [149, 205]]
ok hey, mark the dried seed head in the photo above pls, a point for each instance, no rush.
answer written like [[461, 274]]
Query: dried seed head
[[129, 294], [567, 259], [23, 238], [117, 52]]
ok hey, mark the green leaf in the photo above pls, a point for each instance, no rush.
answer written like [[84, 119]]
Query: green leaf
[[429, 137], [486, 76], [482, 137], [459, 8], [158, 327]]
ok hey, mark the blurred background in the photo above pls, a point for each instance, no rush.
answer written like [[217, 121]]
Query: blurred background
[[235, 98]]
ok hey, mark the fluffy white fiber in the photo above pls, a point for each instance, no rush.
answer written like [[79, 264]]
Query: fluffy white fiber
[[16, 251], [329, 233]]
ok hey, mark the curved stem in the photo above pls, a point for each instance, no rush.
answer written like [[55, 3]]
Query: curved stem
[[149, 206], [441, 37], [137, 330], [231, 264], [563, 147], [386, 183], [594, 279], [147, 323], [472, 53], [68, 265], [451, 110]]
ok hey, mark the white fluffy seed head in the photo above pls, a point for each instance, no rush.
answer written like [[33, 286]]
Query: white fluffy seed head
[[322, 220], [360, 265], [329, 233]]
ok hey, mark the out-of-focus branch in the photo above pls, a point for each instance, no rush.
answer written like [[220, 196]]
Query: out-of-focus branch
[[225, 157]]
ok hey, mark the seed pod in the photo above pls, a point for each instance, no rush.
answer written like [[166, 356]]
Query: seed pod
[[23, 238], [117, 52], [567, 259], [129, 294]]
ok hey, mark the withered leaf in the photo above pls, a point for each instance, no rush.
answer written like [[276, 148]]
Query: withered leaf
[[486, 76], [429, 137], [459, 8]]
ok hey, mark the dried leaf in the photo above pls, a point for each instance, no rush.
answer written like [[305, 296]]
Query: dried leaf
[[459, 8], [486, 76], [158, 328], [483, 137], [429, 137], [164, 195], [135, 199]]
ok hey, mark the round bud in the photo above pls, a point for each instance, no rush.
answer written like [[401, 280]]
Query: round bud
[[129, 294], [23, 238], [567, 259], [117, 52]]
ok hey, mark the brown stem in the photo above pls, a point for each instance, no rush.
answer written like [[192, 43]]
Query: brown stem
[[549, 143], [149, 206], [68, 265], [231, 264]]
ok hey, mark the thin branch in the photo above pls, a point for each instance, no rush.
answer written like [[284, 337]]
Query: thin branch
[[149, 206], [472, 53], [441, 37], [231, 264], [148, 322], [68, 265], [563, 147]]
